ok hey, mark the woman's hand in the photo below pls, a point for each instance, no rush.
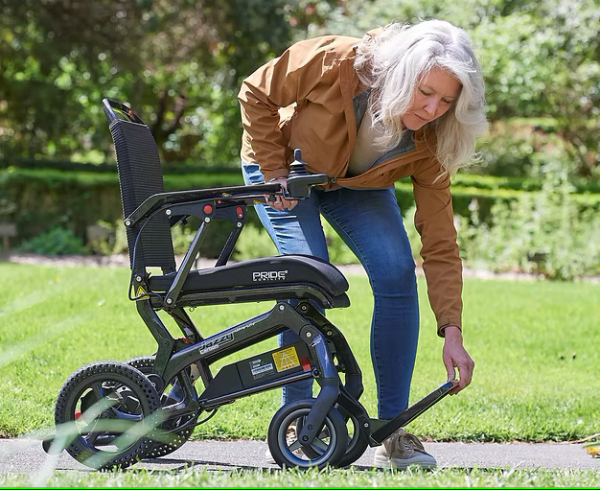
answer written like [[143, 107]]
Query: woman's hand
[[281, 202], [455, 356]]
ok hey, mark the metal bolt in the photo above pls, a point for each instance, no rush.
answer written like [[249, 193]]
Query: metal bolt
[[281, 307], [308, 335], [138, 278], [304, 307], [127, 222], [366, 425], [207, 220], [168, 212], [239, 224], [329, 333], [169, 301]]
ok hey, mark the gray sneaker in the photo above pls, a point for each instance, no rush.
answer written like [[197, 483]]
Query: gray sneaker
[[402, 450]]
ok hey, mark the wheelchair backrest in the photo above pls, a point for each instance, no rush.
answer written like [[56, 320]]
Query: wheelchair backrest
[[140, 176]]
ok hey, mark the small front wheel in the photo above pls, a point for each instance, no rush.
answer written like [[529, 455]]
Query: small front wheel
[[358, 442], [327, 448]]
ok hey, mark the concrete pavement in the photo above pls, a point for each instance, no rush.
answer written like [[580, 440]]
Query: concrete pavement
[[27, 456]]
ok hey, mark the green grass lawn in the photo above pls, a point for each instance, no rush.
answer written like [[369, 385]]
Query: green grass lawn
[[535, 346], [328, 478]]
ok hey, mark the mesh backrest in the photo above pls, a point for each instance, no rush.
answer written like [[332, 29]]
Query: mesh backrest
[[140, 176]]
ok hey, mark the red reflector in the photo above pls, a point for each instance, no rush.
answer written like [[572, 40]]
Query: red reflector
[[305, 363], [239, 211], [207, 209], [77, 414]]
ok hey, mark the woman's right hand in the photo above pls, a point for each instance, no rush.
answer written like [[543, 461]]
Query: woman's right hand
[[456, 358], [281, 202]]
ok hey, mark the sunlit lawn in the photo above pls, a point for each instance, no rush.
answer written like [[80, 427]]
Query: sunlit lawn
[[535, 345]]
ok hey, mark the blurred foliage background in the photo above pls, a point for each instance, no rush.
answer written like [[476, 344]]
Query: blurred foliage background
[[179, 64]]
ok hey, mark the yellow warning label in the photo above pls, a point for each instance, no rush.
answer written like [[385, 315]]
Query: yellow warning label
[[141, 292], [286, 359]]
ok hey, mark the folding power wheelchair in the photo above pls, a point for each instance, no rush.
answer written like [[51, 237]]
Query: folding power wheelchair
[[111, 414]]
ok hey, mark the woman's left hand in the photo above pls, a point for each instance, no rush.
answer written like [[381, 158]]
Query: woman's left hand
[[456, 357], [281, 202]]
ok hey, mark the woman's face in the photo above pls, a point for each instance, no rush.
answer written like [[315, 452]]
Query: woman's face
[[433, 96]]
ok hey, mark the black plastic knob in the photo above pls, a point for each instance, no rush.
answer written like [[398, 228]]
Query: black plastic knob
[[297, 166]]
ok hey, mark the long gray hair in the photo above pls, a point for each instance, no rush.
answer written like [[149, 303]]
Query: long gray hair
[[393, 61]]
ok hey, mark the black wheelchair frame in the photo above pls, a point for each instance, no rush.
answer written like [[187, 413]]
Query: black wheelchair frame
[[107, 400]]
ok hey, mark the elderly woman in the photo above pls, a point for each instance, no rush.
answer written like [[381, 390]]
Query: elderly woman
[[406, 100]]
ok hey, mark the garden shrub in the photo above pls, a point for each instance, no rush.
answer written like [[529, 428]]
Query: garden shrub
[[57, 241]]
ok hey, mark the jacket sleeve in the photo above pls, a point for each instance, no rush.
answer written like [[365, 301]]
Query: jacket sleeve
[[434, 221], [279, 83]]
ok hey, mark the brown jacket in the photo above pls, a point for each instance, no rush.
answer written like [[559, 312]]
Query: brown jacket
[[307, 99]]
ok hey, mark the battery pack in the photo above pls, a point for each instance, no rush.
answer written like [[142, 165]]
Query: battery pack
[[256, 370]]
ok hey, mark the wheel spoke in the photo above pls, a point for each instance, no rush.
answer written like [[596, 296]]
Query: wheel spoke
[[91, 437], [295, 445], [98, 390], [98, 438], [120, 414], [319, 445]]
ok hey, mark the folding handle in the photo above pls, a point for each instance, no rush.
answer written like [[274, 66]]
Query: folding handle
[[412, 412]]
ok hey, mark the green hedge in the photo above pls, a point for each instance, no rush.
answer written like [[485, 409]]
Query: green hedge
[[111, 167], [492, 182], [462, 179], [464, 195], [37, 200]]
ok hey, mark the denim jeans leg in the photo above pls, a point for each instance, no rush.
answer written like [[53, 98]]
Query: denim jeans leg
[[297, 230], [371, 224]]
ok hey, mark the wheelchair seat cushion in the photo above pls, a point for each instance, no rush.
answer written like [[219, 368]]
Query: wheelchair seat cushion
[[278, 270]]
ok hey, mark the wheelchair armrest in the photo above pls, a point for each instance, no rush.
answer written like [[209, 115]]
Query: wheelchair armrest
[[298, 188], [242, 194]]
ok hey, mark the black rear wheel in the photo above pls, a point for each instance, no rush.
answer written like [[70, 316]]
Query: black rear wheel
[[105, 413], [171, 434]]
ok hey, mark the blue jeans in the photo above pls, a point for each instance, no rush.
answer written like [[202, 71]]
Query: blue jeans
[[370, 223]]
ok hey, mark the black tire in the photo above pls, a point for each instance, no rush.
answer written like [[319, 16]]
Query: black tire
[[98, 411], [171, 437], [358, 442], [326, 451]]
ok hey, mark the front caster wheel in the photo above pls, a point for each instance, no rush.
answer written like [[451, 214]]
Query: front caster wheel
[[357, 443], [104, 415], [327, 448]]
